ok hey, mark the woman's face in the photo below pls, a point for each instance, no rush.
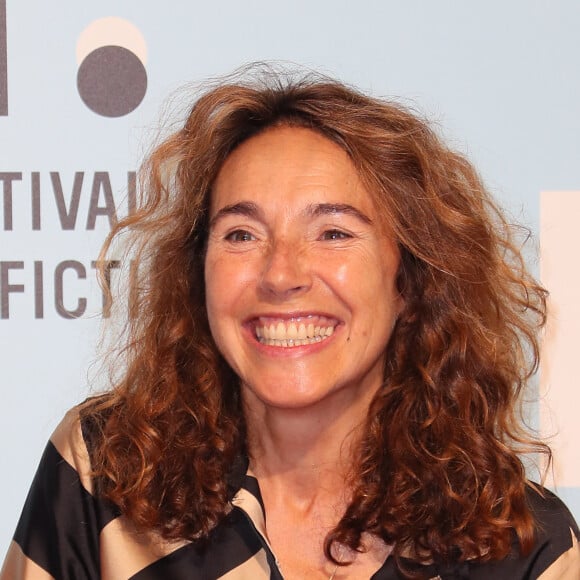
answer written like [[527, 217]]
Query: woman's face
[[299, 272]]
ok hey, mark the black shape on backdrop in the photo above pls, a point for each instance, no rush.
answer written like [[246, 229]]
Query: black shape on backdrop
[[112, 81]]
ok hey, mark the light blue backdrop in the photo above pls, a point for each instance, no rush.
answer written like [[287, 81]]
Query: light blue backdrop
[[502, 79]]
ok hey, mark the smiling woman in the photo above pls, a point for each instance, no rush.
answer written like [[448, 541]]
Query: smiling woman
[[290, 239], [326, 348]]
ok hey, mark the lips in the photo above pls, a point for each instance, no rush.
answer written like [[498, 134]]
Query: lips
[[295, 331]]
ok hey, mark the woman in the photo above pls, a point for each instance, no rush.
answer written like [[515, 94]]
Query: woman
[[329, 332]]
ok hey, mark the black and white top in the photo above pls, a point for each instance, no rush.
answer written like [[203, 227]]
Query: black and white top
[[67, 533]]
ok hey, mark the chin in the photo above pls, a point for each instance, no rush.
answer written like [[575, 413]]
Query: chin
[[291, 396]]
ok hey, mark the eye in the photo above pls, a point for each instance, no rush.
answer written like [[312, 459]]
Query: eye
[[240, 236], [335, 235]]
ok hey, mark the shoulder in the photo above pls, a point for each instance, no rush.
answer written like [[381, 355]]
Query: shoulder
[[553, 519], [70, 444], [557, 550], [62, 522], [76, 435]]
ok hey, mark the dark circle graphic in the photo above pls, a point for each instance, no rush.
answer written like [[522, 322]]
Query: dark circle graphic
[[112, 81]]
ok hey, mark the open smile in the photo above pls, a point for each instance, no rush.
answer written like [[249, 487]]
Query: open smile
[[295, 331]]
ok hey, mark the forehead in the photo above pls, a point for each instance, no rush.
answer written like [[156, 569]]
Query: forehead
[[286, 166]]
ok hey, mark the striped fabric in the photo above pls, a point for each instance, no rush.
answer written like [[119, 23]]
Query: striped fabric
[[67, 533]]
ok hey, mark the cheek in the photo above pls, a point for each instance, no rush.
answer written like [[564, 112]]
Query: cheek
[[226, 279], [218, 300], [349, 270], [372, 286], [342, 274], [215, 290], [363, 277]]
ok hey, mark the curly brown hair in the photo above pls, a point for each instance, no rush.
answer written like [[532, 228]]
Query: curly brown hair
[[438, 474]]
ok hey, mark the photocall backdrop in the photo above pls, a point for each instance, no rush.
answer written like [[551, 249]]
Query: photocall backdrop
[[82, 89]]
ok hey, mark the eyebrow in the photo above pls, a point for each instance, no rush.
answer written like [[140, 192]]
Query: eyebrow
[[245, 208], [251, 210], [320, 209]]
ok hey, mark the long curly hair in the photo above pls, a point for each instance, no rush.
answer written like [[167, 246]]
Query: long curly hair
[[438, 473]]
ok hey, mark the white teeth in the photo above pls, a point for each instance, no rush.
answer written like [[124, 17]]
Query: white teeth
[[280, 331], [294, 332], [290, 342], [276, 336]]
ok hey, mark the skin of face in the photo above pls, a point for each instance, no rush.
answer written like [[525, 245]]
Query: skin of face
[[295, 240]]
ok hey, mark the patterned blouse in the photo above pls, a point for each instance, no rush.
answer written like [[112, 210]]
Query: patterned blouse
[[67, 533]]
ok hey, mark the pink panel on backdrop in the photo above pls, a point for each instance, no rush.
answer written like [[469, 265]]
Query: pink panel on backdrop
[[560, 273]]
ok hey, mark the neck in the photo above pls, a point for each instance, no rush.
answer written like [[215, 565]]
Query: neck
[[305, 451], [303, 459]]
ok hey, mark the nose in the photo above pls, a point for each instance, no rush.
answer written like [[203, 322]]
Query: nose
[[286, 270]]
